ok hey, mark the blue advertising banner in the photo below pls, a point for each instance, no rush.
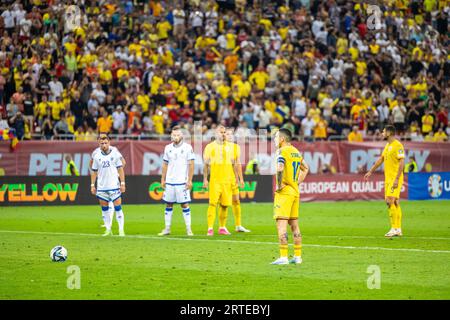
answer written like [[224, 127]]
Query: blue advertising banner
[[429, 186]]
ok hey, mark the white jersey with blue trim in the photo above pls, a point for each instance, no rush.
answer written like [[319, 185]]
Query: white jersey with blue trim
[[107, 165], [177, 158]]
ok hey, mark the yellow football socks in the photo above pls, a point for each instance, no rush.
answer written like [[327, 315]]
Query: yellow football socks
[[297, 250], [393, 215], [237, 213], [399, 217], [283, 250], [211, 216], [223, 213]]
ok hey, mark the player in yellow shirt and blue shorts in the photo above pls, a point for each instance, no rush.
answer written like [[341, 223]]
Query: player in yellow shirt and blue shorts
[[393, 157], [220, 163], [291, 170]]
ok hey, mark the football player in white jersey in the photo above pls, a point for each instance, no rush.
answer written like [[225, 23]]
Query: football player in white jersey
[[110, 211], [107, 170], [176, 179]]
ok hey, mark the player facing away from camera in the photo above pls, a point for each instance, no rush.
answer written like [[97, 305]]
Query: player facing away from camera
[[393, 157], [291, 170], [236, 203], [107, 170], [110, 211], [176, 179], [220, 163]]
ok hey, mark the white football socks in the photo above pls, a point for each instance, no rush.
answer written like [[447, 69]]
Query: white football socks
[[120, 219], [106, 218], [187, 217], [168, 217]]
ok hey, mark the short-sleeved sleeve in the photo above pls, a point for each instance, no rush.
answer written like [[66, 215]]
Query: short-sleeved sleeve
[[118, 159], [165, 156], [384, 152], [94, 164]]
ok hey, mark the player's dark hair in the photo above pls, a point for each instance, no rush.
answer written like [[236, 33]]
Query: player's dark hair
[[103, 135], [286, 134], [390, 128], [175, 128]]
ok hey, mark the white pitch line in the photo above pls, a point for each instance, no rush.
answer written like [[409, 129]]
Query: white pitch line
[[226, 241], [353, 237]]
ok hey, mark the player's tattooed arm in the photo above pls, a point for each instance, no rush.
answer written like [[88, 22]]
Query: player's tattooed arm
[[280, 169]]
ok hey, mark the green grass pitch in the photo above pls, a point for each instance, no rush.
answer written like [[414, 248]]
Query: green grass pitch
[[340, 241]]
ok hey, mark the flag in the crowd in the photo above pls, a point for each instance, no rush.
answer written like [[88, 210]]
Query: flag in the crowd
[[9, 134]]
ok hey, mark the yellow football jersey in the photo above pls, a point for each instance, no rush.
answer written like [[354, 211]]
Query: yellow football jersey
[[221, 158], [291, 158], [392, 154]]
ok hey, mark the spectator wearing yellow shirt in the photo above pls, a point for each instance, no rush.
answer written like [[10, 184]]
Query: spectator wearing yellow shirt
[[427, 122], [182, 92], [79, 134], [355, 135], [231, 39], [260, 78], [143, 100], [90, 135], [429, 137], [314, 112], [320, 129], [56, 106], [41, 109], [158, 121], [104, 124], [440, 136], [163, 28]]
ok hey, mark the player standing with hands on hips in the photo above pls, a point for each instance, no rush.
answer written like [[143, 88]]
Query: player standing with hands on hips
[[393, 157], [176, 179], [107, 170]]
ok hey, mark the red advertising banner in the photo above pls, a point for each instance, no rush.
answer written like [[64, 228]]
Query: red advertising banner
[[333, 187], [356, 156], [39, 158]]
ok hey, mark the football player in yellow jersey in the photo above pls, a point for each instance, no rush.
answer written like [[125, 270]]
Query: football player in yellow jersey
[[291, 170], [236, 204], [220, 160], [393, 157]]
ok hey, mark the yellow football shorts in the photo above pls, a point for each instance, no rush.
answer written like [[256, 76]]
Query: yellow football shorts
[[234, 189], [391, 192], [285, 206], [220, 193]]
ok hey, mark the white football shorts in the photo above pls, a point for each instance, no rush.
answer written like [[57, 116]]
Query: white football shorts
[[176, 193], [110, 195]]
